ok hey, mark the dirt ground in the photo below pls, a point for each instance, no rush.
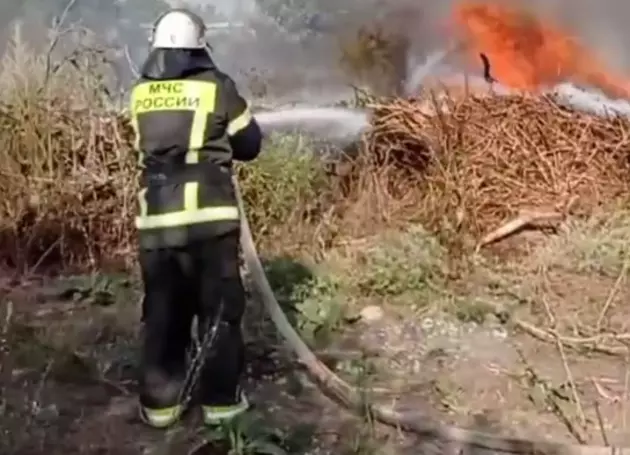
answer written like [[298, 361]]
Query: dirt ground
[[546, 361]]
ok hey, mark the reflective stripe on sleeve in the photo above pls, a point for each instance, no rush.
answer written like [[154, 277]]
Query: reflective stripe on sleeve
[[239, 122]]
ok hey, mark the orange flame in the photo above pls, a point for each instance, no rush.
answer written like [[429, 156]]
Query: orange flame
[[526, 53]]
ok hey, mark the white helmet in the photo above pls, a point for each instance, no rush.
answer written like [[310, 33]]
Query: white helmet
[[178, 29]]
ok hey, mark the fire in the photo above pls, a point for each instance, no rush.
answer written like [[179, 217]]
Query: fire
[[528, 53]]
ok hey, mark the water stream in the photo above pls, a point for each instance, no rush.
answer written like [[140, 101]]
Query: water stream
[[337, 124]]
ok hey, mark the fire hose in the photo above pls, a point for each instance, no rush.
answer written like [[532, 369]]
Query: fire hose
[[456, 440]]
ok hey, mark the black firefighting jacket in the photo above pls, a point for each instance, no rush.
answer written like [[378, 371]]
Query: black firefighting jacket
[[190, 123]]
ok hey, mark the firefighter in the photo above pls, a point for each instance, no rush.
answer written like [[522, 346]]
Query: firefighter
[[190, 123]]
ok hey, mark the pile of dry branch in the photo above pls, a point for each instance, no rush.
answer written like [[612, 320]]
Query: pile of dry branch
[[481, 161]]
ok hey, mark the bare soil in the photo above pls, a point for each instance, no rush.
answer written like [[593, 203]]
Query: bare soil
[[68, 372], [549, 365]]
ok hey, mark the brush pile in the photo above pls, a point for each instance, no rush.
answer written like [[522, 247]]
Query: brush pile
[[480, 161]]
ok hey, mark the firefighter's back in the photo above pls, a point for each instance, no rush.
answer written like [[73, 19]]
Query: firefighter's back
[[182, 110]]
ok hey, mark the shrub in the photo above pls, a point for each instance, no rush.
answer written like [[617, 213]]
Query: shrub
[[286, 191], [66, 173]]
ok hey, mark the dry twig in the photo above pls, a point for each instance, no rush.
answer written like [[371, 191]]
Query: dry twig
[[567, 368], [611, 295], [56, 33]]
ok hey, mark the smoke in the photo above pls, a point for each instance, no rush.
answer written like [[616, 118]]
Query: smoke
[[602, 26], [304, 61], [293, 55]]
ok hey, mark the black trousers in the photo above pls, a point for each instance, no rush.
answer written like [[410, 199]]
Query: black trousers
[[180, 283]]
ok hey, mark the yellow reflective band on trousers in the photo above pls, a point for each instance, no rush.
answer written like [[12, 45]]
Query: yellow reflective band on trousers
[[162, 96], [239, 122], [214, 415], [191, 214], [161, 418]]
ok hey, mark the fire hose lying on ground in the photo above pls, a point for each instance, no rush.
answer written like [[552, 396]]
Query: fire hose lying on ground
[[454, 440]]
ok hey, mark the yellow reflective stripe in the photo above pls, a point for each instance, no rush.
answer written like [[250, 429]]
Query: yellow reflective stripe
[[239, 122], [142, 201], [162, 417], [215, 414], [191, 196], [191, 214], [200, 120], [183, 218]]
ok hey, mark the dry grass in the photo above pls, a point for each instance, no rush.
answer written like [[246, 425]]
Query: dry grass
[[67, 170]]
